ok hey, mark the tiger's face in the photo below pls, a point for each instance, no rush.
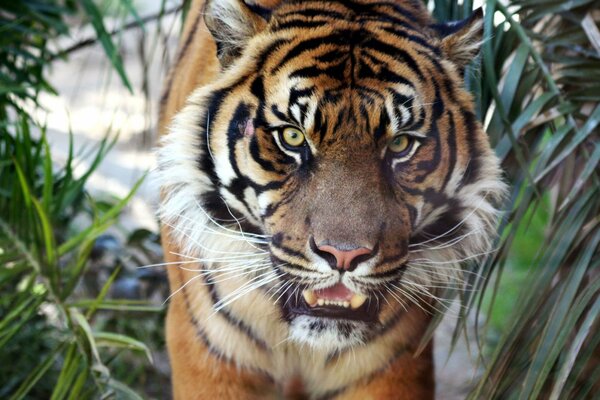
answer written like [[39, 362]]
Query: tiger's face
[[341, 141]]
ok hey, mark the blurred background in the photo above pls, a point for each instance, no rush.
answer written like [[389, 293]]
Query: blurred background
[[82, 301]]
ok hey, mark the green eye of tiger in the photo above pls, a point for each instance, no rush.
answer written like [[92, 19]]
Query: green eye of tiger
[[400, 143], [293, 137]]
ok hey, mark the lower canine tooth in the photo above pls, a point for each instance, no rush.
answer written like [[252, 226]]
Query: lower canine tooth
[[346, 304], [357, 300], [310, 297], [320, 302]]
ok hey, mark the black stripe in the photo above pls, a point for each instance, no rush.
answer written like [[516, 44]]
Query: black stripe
[[420, 121], [239, 184], [427, 167], [411, 36], [394, 52], [313, 12], [279, 263], [449, 89], [277, 242], [438, 104], [382, 127], [412, 214], [339, 122], [256, 156], [200, 332], [407, 15], [297, 23], [318, 124], [442, 225], [257, 88], [256, 8], [296, 94], [404, 101], [451, 146], [199, 329], [205, 162], [266, 53], [391, 273], [337, 38], [387, 75], [334, 72], [278, 113], [214, 204], [372, 93], [432, 60], [233, 320], [240, 116], [473, 168], [367, 116]]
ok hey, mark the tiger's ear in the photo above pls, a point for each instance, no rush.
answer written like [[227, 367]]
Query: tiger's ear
[[233, 23], [461, 40]]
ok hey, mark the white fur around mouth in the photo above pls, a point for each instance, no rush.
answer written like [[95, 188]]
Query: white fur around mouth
[[312, 299]]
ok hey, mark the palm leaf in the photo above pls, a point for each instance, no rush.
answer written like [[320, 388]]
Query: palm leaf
[[539, 68]]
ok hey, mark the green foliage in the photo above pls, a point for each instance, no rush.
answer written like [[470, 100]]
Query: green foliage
[[43, 255], [527, 244], [539, 97], [26, 27], [52, 345]]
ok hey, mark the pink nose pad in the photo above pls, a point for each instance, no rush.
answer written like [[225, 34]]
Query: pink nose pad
[[344, 257]]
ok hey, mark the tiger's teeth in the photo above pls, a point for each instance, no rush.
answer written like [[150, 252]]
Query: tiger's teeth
[[313, 300], [357, 300], [310, 297]]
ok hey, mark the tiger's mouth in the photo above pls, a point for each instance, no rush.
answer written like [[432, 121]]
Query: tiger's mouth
[[335, 302]]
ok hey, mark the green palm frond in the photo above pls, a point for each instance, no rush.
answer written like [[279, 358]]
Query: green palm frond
[[42, 258], [50, 346], [538, 94]]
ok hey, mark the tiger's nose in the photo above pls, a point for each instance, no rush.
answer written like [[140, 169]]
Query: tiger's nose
[[343, 258]]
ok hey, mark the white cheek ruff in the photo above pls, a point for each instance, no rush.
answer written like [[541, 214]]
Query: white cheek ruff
[[182, 183], [437, 263], [180, 180]]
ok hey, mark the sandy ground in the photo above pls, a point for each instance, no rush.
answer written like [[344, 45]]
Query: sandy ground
[[93, 102]]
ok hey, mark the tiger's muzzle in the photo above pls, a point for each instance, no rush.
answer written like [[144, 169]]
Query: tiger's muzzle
[[334, 302]]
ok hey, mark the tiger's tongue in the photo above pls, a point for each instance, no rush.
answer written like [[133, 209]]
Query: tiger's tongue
[[338, 292]]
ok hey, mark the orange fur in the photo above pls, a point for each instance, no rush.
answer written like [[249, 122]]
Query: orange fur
[[199, 372]]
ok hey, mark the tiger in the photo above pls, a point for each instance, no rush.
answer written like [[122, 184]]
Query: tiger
[[324, 184]]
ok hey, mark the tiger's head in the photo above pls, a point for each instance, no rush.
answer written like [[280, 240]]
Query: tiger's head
[[336, 164]]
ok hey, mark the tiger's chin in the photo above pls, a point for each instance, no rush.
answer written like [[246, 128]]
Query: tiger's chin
[[331, 319], [328, 334]]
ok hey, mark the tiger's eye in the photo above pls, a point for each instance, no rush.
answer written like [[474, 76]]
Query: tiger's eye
[[400, 143], [293, 137]]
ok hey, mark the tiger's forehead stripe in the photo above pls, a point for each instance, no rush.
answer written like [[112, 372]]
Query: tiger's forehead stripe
[[405, 15]]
